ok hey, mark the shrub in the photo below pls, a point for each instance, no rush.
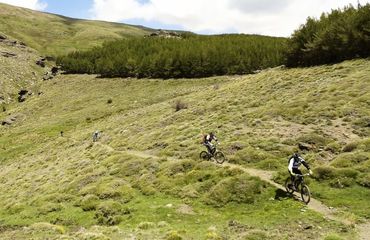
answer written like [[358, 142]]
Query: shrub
[[174, 167], [333, 237], [146, 225], [364, 180], [350, 147], [240, 189], [325, 173], [108, 213], [47, 227], [349, 160], [109, 101], [313, 138], [333, 147], [179, 105], [342, 182], [89, 202], [173, 235]]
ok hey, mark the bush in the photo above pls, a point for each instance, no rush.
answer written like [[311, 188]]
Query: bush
[[333, 237], [349, 160], [364, 180], [179, 105], [325, 173], [173, 235], [239, 189], [146, 225], [333, 147], [342, 182], [89, 202], [108, 213], [313, 138], [350, 147], [47, 227], [109, 101], [174, 167]]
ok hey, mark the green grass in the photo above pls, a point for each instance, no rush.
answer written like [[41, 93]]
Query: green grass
[[55, 35], [70, 183]]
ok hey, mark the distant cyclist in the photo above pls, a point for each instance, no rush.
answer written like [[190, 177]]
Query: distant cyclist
[[96, 135], [294, 163], [207, 141]]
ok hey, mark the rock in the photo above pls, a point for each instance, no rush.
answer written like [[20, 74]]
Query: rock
[[165, 34], [41, 62], [305, 146], [162, 224], [2, 37], [170, 205], [8, 54], [307, 227], [22, 95], [237, 146], [9, 121], [185, 209], [55, 70], [48, 76]]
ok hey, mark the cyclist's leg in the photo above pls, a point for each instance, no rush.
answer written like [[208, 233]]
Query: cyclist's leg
[[297, 179], [209, 148]]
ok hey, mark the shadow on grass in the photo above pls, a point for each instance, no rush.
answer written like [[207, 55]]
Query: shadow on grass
[[281, 194]]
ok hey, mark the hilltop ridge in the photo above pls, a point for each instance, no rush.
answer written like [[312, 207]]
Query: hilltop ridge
[[52, 34]]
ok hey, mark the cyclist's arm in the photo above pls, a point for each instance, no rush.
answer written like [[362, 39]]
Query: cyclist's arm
[[290, 166], [305, 164]]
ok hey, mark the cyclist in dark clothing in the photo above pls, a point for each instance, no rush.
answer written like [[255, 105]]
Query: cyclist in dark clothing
[[207, 141], [294, 163]]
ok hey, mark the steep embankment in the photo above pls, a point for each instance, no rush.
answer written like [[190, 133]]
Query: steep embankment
[[69, 182], [55, 35]]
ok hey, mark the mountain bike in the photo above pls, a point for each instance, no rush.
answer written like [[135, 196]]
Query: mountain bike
[[215, 154], [299, 186]]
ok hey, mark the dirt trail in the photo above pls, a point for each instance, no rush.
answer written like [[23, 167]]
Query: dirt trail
[[315, 205], [364, 231]]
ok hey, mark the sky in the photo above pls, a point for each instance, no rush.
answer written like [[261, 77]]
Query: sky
[[267, 17]]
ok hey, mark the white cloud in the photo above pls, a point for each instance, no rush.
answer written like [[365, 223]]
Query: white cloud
[[269, 17], [31, 4]]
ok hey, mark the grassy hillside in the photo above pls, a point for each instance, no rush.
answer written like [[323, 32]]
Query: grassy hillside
[[55, 35], [125, 186], [18, 70]]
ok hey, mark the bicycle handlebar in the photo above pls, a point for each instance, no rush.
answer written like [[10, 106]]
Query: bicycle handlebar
[[303, 175]]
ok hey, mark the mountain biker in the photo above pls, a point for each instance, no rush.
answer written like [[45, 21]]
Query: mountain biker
[[207, 141], [96, 135], [294, 163]]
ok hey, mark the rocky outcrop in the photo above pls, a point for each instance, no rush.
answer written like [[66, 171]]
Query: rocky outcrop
[[165, 34]]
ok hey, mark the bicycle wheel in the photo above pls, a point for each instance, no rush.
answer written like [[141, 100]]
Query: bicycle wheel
[[204, 155], [305, 194], [289, 185], [219, 157]]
